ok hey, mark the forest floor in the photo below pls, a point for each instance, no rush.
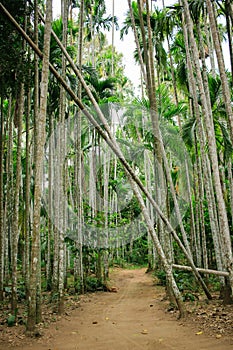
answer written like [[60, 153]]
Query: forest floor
[[135, 317]]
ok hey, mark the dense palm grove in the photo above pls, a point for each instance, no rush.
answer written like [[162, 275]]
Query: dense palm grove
[[91, 176]]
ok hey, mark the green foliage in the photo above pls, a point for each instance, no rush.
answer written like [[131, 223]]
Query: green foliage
[[185, 282], [161, 275], [12, 59], [137, 254], [91, 284], [20, 291], [11, 320]]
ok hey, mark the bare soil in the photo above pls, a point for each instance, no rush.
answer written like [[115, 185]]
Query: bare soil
[[135, 317]]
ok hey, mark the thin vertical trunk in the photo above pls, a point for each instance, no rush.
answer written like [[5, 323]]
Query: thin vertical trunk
[[2, 235], [229, 33], [9, 192], [27, 196], [201, 195], [106, 162], [210, 44], [40, 138], [230, 179], [61, 146], [15, 219], [50, 208], [79, 155]]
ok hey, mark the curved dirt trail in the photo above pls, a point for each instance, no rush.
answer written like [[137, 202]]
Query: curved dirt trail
[[131, 319]]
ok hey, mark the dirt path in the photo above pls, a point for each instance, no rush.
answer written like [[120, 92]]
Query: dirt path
[[133, 318]]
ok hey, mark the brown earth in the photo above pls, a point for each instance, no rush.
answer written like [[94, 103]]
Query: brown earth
[[134, 318]]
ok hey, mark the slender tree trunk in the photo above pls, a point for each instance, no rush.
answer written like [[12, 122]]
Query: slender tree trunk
[[15, 220], [50, 207], [2, 235], [79, 155], [39, 152], [62, 143], [9, 193], [27, 196], [229, 33], [230, 178]]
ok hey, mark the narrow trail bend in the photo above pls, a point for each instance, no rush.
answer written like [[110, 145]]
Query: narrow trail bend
[[131, 319]]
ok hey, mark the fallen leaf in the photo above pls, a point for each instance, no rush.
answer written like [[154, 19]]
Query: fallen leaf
[[145, 331], [218, 336], [199, 333]]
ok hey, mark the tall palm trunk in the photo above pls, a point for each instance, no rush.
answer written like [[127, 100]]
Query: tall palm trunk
[[39, 153], [15, 220], [2, 236], [27, 195], [62, 142], [228, 12], [9, 192], [79, 156]]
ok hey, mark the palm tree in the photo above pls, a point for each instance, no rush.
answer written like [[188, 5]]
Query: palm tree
[[79, 157], [96, 22]]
